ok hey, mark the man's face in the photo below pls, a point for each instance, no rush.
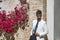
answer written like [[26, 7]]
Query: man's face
[[38, 16]]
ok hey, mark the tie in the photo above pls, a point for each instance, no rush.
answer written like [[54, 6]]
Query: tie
[[36, 27]]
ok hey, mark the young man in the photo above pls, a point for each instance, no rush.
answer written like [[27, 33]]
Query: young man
[[39, 27]]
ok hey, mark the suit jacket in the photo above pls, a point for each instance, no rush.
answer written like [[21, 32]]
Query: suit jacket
[[42, 29]]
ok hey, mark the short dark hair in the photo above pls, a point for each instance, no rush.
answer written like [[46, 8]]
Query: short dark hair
[[38, 12], [21, 0]]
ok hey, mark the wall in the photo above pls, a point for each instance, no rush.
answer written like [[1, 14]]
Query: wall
[[50, 18], [57, 20]]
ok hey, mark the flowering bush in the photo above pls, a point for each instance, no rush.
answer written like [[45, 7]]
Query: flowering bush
[[22, 17], [9, 23]]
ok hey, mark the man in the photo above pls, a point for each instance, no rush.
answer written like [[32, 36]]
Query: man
[[39, 27]]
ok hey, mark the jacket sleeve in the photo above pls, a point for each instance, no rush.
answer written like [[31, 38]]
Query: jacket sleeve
[[45, 30]]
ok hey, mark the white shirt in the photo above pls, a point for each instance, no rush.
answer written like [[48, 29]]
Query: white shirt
[[41, 29]]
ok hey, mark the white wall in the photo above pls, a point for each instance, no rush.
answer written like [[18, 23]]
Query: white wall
[[50, 18]]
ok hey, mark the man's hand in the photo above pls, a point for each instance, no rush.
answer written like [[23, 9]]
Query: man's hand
[[37, 34]]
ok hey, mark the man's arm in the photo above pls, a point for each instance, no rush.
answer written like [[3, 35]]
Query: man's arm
[[45, 32]]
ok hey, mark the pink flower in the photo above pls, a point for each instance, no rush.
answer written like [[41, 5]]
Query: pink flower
[[23, 2], [1, 26], [10, 22], [22, 19], [1, 22], [5, 24], [16, 10], [5, 29], [15, 20], [1, 16], [10, 29], [10, 14], [3, 13], [8, 19]]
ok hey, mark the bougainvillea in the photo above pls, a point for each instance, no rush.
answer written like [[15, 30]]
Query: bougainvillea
[[14, 20], [7, 22]]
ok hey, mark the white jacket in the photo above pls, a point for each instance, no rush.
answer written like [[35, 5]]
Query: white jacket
[[42, 29]]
